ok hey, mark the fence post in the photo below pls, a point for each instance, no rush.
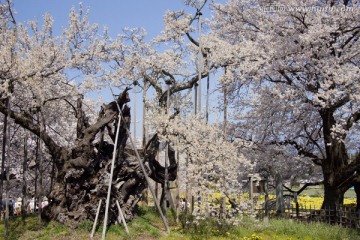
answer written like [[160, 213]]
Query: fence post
[[266, 197], [296, 205], [288, 206], [341, 211], [207, 206], [199, 202], [192, 203], [251, 191], [222, 208]]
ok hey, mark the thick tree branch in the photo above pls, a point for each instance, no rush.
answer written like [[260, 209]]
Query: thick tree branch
[[72, 106], [187, 85], [157, 172], [287, 78], [172, 78], [107, 115], [153, 83], [352, 38], [352, 119], [191, 39], [298, 192], [27, 123], [309, 135], [352, 168], [11, 12], [45, 75], [301, 19], [340, 103], [301, 151]]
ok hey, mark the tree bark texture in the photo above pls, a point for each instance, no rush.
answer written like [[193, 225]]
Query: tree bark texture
[[3, 153], [339, 173]]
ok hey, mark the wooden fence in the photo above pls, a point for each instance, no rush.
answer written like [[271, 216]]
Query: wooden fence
[[343, 216]]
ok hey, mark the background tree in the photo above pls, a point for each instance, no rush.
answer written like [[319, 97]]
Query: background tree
[[299, 69]]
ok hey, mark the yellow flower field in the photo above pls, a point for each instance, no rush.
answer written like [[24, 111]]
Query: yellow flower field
[[304, 201], [316, 202]]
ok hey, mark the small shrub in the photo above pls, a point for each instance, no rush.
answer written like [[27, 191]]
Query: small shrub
[[185, 220], [209, 227], [86, 225]]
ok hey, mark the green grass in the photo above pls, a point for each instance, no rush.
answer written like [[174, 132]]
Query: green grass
[[281, 229], [148, 226], [286, 229]]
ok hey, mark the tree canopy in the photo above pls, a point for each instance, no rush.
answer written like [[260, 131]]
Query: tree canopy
[[289, 71]]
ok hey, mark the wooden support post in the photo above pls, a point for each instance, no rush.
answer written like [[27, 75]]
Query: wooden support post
[[122, 217], [96, 220], [200, 65], [111, 176], [144, 172], [144, 133], [151, 190]]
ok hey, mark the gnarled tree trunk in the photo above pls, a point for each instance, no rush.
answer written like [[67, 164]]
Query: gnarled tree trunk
[[83, 171], [338, 172]]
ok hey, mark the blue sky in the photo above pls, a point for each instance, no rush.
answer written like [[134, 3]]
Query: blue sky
[[116, 15]]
